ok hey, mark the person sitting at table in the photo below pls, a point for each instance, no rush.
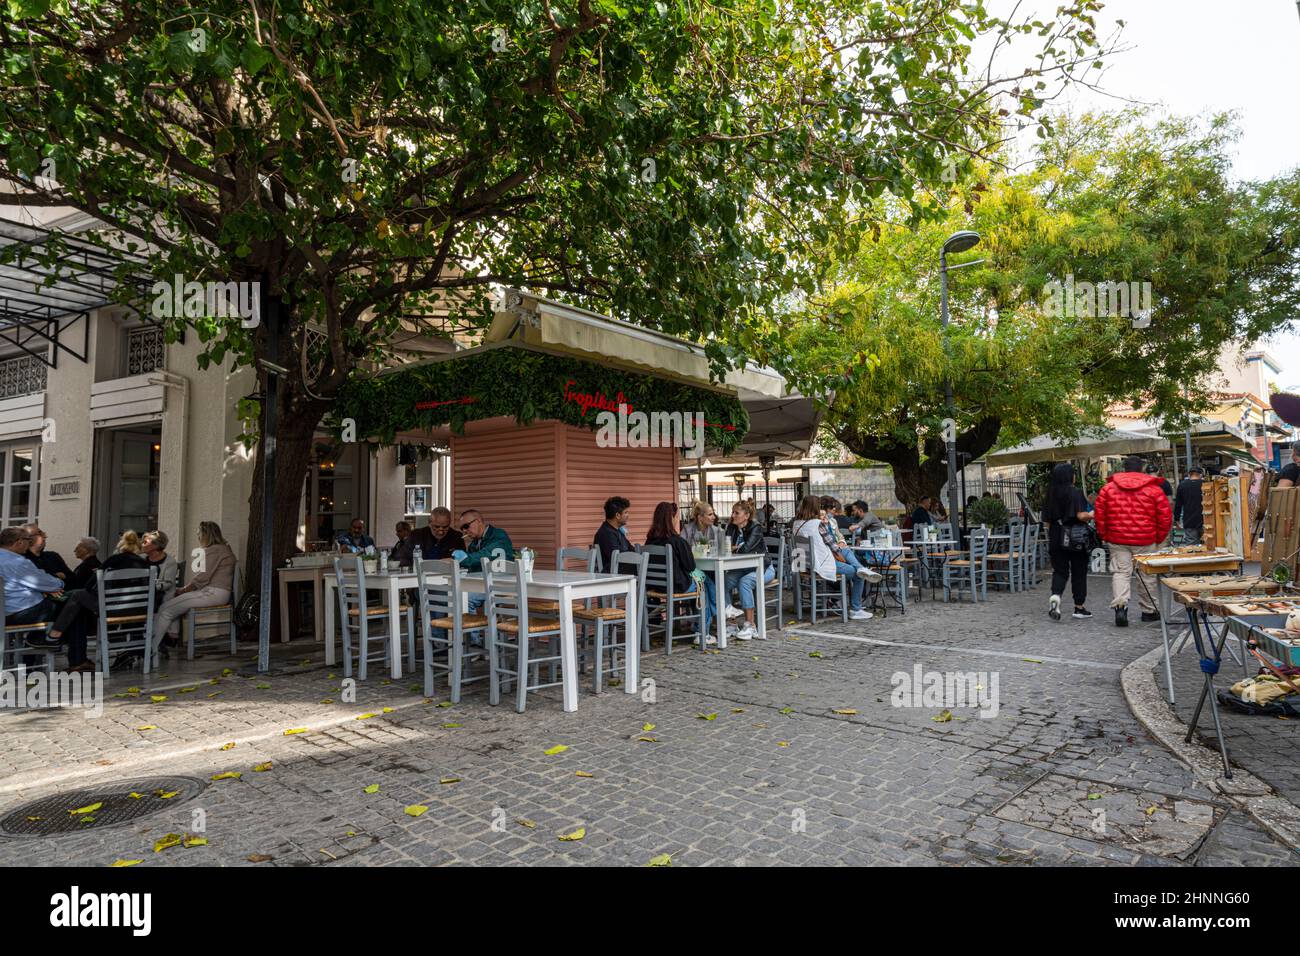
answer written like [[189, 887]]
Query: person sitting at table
[[80, 611], [611, 536], [48, 561], [210, 587], [482, 540], [747, 538], [438, 539], [665, 531], [864, 522], [832, 506], [87, 554], [355, 541], [402, 549], [703, 526], [834, 539], [30, 599], [810, 523], [921, 513]]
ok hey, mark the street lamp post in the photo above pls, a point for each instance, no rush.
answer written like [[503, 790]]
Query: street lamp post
[[957, 242]]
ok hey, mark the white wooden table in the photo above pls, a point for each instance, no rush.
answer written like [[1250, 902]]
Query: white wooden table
[[565, 587], [303, 575], [719, 565], [390, 584]]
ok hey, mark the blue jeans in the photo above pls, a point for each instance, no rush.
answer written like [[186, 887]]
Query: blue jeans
[[855, 584], [747, 583], [850, 558], [710, 600]]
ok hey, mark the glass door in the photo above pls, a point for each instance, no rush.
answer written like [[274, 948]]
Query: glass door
[[133, 497]]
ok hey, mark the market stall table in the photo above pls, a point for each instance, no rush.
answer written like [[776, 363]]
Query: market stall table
[[1164, 566], [719, 565]]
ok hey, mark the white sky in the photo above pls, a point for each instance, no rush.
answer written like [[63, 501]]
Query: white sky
[[1197, 57]]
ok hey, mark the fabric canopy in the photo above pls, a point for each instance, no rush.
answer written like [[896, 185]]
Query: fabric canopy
[[1095, 443]]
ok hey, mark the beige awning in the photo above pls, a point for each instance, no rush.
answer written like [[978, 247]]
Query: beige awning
[[1096, 443]]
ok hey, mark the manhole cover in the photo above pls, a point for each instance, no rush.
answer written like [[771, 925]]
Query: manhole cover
[[68, 812]]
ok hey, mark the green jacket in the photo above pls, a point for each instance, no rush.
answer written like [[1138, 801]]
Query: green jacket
[[493, 539]]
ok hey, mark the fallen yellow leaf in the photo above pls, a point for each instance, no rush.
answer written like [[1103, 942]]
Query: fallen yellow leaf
[[195, 841], [416, 810], [229, 746], [663, 859], [373, 788], [844, 710], [90, 809], [943, 717], [165, 794], [228, 775], [262, 767], [147, 727], [707, 716], [125, 862], [135, 796], [365, 716], [577, 834], [523, 822], [582, 773], [557, 749], [783, 743], [158, 698], [647, 727], [295, 730], [167, 842], [449, 780]]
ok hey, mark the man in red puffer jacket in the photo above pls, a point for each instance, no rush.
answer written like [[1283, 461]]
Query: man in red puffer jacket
[[1132, 515]]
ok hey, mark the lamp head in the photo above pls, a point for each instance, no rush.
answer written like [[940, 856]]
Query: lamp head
[[961, 241]]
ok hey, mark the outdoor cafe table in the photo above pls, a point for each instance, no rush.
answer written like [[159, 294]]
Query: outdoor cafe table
[[565, 587], [873, 554], [720, 564], [390, 584]]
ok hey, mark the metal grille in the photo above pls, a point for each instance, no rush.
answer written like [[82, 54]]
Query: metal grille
[[23, 375], [53, 815], [315, 344], [144, 350]]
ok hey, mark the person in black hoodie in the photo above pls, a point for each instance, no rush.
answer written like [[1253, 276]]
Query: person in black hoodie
[[1187, 507], [1066, 507], [747, 538]]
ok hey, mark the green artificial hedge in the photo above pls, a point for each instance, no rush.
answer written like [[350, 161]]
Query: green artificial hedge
[[527, 386]]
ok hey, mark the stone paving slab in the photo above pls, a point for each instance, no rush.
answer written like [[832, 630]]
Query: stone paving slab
[[747, 762]]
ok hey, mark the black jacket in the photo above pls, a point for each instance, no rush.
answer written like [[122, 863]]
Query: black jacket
[[749, 540], [84, 576], [431, 549], [683, 560], [1187, 503], [609, 541], [51, 563]]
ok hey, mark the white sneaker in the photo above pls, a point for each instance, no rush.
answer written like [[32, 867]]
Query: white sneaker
[[746, 633], [868, 575], [860, 615], [733, 611], [710, 639]]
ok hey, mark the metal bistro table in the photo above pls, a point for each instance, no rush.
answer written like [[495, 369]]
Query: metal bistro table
[[719, 565], [871, 555], [565, 587], [932, 570]]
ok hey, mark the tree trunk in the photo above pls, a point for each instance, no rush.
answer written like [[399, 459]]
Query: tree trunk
[[298, 417], [915, 476]]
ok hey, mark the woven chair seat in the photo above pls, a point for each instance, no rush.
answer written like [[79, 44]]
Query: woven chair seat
[[377, 611], [125, 619], [538, 604], [601, 614], [676, 595], [468, 622], [534, 627]]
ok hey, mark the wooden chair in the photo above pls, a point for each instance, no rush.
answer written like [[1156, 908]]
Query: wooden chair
[[354, 613], [228, 609], [125, 605], [613, 617], [971, 568], [817, 601], [443, 626], [511, 633], [664, 597]]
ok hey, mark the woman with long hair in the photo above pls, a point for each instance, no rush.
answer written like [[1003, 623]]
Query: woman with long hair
[[212, 585], [810, 523], [747, 538], [1066, 508], [703, 526], [665, 531]]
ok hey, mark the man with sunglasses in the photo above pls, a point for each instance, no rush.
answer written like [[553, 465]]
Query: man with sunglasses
[[482, 540]]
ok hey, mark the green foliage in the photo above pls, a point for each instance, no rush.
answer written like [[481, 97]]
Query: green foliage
[[988, 511], [526, 386]]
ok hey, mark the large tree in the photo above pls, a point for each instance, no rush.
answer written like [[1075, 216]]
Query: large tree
[[1123, 198], [378, 165]]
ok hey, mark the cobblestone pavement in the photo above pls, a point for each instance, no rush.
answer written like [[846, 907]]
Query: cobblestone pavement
[[1266, 746], [747, 761]]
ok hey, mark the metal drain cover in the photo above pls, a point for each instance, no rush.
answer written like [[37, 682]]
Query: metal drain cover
[[56, 814]]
